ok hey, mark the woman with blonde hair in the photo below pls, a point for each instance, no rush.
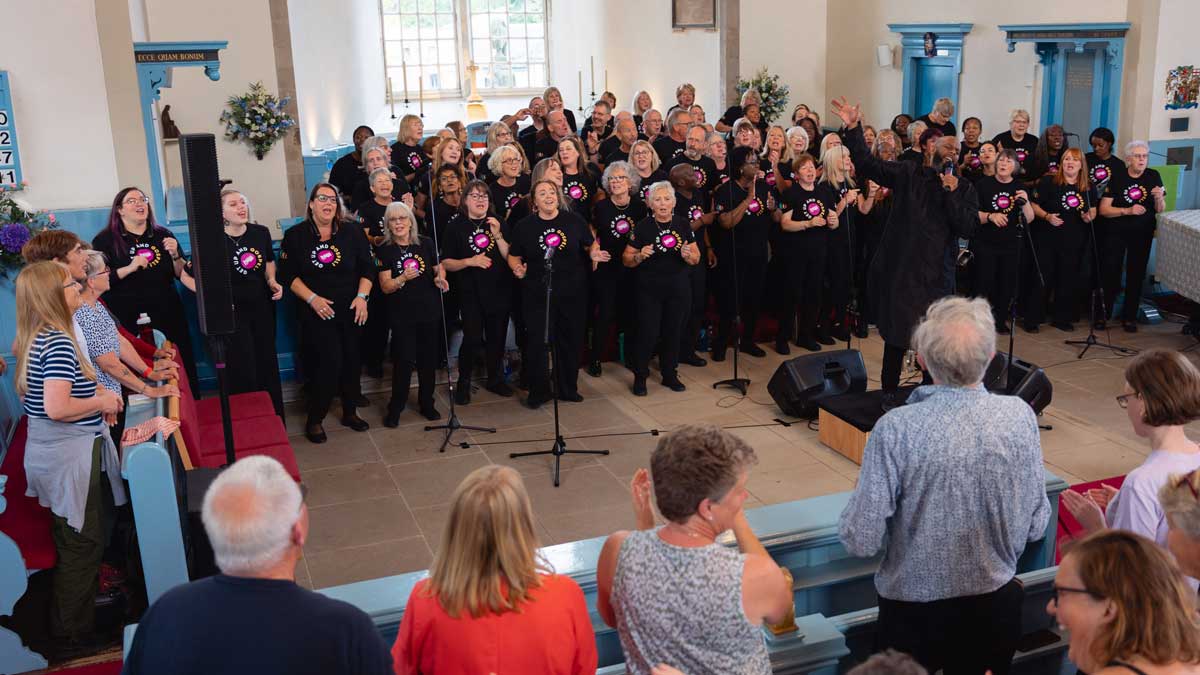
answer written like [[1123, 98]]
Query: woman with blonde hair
[[646, 164], [498, 134], [580, 177], [641, 103], [448, 152], [837, 171], [407, 152], [68, 446], [554, 101], [1126, 607], [488, 586]]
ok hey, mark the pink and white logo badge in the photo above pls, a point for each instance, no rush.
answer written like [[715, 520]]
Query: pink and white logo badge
[[1071, 200], [1135, 193], [246, 260], [481, 242], [1002, 202], [695, 213], [975, 162], [575, 191], [755, 206], [414, 161], [1100, 174], [553, 239], [770, 178], [412, 264], [1021, 155], [813, 208], [325, 254], [621, 226]]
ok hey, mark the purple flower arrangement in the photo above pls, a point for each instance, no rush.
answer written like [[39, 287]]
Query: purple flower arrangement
[[17, 226]]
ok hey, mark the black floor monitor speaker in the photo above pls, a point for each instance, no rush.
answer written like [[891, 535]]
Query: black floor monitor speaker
[[1029, 382], [202, 195], [799, 383]]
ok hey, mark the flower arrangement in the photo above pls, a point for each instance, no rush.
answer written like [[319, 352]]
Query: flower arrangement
[[774, 95], [257, 117], [18, 224]]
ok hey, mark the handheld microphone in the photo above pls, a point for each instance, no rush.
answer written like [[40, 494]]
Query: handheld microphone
[[947, 170], [1019, 202], [550, 252]]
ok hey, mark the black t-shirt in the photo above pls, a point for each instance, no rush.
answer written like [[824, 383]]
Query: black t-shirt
[[504, 200], [330, 268], [156, 280], [1024, 148], [362, 189], [437, 217], [569, 235], [997, 197], [666, 265], [614, 226], [752, 230], [580, 189], [1102, 170], [705, 169], [970, 156], [417, 300], [615, 154], [411, 159], [609, 147], [668, 148], [732, 114], [691, 209], [1127, 191], [947, 128], [544, 147], [467, 238], [773, 174], [912, 155], [1065, 200], [242, 626], [806, 204], [644, 188], [249, 255], [346, 173], [371, 213]]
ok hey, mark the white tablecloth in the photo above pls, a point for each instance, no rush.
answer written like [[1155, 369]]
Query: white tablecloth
[[1178, 258]]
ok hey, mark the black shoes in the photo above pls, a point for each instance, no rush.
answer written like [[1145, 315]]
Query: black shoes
[[315, 433], [825, 339], [1064, 326], [840, 333], [534, 401], [355, 422], [572, 397], [462, 392], [808, 343], [392, 419], [861, 331], [594, 369], [752, 349], [782, 348], [639, 386], [717, 355], [1129, 326], [673, 384], [500, 388], [693, 359], [1031, 328], [430, 413]]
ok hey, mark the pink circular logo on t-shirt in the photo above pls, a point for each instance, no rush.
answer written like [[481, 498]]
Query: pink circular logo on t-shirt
[[248, 260], [512, 200], [575, 192], [696, 213], [146, 252], [813, 209], [755, 206], [1073, 200], [325, 256], [770, 178], [1135, 193], [1021, 155], [412, 264], [699, 177], [482, 241], [975, 163], [553, 240], [621, 226], [669, 240], [1100, 174], [415, 161], [1003, 201]]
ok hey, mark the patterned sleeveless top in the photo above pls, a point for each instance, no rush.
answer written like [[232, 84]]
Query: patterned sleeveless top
[[683, 607]]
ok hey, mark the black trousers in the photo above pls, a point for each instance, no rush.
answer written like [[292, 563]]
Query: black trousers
[[751, 275], [568, 314], [837, 283], [968, 635], [694, 310], [484, 328], [333, 367], [803, 272], [1060, 253], [414, 346], [520, 334], [893, 363], [375, 332], [251, 363], [605, 309], [661, 309], [995, 276], [1126, 249]]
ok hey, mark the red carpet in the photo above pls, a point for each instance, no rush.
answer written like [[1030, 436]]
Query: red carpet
[[106, 668]]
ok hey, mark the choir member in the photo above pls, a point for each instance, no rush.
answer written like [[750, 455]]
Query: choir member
[[626, 135], [969, 162], [814, 135], [838, 173], [641, 104], [900, 127], [510, 184], [939, 117], [771, 157], [549, 138], [597, 128], [800, 112], [738, 111], [652, 125], [498, 134], [647, 166], [552, 227], [718, 152], [1101, 163], [914, 149], [326, 262], [671, 145], [1047, 154], [754, 114], [407, 152], [685, 96], [347, 170], [364, 190], [1018, 139], [251, 363], [448, 152], [744, 134], [528, 136], [696, 144], [412, 280], [795, 144], [1065, 203], [146, 260], [692, 207], [613, 221], [1130, 203], [746, 208], [579, 177], [662, 249], [459, 129], [869, 135], [808, 209], [995, 243], [697, 112], [375, 331], [554, 102]]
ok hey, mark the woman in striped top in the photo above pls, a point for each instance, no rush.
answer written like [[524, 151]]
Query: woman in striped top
[[68, 445]]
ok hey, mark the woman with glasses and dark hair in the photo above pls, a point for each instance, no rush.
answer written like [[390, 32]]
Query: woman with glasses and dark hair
[[325, 261], [1126, 607], [475, 252], [995, 243], [146, 261], [1162, 394]]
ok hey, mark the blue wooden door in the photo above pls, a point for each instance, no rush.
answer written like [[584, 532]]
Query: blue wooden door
[[934, 79]]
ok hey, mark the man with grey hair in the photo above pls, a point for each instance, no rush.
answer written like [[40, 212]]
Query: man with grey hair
[[674, 142], [952, 489], [556, 130], [939, 117], [254, 617]]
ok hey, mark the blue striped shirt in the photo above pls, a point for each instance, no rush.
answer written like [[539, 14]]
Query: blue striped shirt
[[52, 357]]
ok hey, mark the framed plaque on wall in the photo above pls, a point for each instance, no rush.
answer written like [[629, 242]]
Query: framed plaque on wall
[[693, 14]]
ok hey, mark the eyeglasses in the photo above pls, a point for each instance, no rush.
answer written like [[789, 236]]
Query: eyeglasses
[[477, 195], [73, 284], [1058, 590], [617, 178], [1123, 399], [325, 199], [99, 274], [133, 201], [512, 160]]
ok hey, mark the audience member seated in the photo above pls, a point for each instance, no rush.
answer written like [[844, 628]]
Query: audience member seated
[[1180, 500], [707, 619], [253, 618], [1126, 606], [888, 662], [68, 447], [1162, 393], [491, 604], [951, 489]]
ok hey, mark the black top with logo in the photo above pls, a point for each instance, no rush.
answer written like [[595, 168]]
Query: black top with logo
[[752, 230], [156, 280], [417, 300], [1102, 170], [1127, 191], [668, 148], [571, 239], [997, 197], [970, 157], [504, 200], [467, 238], [614, 227], [410, 158], [666, 265], [806, 204], [691, 209], [644, 188], [249, 255], [371, 213], [579, 190], [706, 173], [330, 268], [1024, 148], [1067, 201]]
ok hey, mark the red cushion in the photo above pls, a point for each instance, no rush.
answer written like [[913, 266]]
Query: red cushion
[[26, 521], [257, 432], [1068, 527], [241, 406], [283, 453]]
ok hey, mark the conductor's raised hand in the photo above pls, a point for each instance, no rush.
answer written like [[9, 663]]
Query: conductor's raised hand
[[849, 114]]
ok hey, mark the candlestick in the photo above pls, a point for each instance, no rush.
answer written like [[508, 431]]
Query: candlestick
[[391, 99], [593, 77], [606, 79], [581, 90], [421, 94], [404, 72]]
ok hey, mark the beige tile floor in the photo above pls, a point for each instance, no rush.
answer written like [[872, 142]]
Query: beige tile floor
[[379, 500]]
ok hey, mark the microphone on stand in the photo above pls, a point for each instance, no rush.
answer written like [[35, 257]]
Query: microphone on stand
[[550, 252]]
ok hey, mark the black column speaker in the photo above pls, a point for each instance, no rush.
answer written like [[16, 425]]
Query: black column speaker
[[202, 195]]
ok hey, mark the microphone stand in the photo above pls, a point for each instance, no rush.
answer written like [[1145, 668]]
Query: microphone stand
[[1097, 295], [1022, 239], [852, 317], [742, 384], [560, 445], [452, 422]]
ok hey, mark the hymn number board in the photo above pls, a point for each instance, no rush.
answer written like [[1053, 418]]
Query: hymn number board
[[10, 158]]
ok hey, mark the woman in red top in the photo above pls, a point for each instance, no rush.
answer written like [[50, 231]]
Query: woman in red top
[[491, 603]]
